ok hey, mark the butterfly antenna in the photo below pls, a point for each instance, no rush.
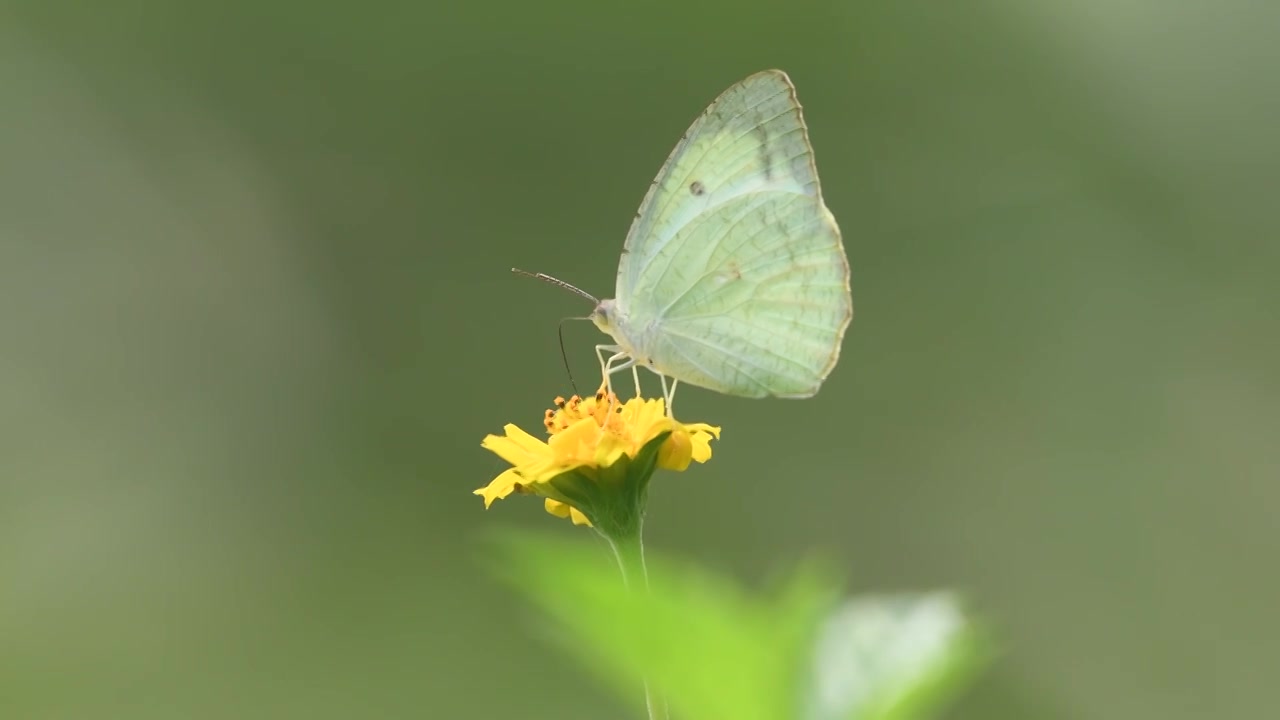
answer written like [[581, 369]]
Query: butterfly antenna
[[565, 356], [558, 283]]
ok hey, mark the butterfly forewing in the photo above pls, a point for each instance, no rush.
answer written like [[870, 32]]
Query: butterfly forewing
[[750, 140], [734, 267]]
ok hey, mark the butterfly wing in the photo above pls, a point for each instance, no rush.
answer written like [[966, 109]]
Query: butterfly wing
[[734, 277]]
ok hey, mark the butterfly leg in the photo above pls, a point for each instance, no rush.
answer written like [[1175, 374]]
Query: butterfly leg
[[610, 366], [604, 364], [670, 396], [616, 362]]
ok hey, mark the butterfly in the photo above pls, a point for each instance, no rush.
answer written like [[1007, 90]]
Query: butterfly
[[733, 275]]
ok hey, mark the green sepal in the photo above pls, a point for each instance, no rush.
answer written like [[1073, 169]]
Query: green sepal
[[613, 498]]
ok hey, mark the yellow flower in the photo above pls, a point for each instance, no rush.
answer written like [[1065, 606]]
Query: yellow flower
[[589, 437]]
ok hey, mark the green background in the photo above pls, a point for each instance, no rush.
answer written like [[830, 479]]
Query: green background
[[256, 316]]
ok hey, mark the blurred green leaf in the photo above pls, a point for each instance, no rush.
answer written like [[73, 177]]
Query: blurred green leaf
[[717, 652]]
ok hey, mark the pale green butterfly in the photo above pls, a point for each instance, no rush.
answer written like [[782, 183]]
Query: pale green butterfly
[[733, 276]]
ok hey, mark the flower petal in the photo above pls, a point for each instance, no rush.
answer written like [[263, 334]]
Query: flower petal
[[565, 510], [578, 518], [518, 447], [703, 428], [581, 430], [645, 417], [701, 450], [609, 449], [677, 451], [502, 486], [541, 471]]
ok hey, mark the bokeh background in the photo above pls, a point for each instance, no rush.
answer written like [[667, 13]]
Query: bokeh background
[[256, 316]]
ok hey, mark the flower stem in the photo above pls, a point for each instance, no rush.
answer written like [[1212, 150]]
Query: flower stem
[[629, 552]]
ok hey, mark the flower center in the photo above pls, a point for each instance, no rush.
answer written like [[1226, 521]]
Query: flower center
[[575, 409]]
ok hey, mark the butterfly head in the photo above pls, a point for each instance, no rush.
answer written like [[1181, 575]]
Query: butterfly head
[[604, 316]]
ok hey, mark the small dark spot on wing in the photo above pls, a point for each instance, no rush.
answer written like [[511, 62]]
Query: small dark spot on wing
[[765, 160], [697, 188]]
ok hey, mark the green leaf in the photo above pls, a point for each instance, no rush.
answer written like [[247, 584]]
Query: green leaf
[[715, 651]]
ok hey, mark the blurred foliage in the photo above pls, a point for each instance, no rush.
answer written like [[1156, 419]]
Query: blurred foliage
[[256, 318], [718, 653]]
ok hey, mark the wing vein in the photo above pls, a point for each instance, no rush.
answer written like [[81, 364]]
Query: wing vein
[[710, 270], [754, 380], [668, 172], [740, 358]]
